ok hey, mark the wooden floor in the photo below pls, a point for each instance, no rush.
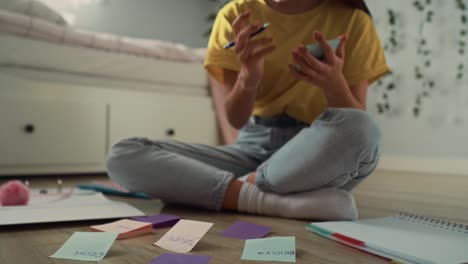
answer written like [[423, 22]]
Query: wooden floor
[[384, 193]]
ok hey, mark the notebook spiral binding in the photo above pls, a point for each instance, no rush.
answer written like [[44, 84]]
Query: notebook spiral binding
[[433, 222]]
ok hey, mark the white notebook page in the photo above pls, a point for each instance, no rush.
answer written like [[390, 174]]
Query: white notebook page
[[421, 239]]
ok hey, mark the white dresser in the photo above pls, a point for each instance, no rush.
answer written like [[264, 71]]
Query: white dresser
[[58, 127]]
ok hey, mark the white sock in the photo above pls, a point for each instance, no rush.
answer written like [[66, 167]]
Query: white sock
[[243, 178], [324, 204]]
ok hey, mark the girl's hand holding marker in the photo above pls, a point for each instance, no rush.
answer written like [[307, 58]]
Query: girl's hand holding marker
[[250, 50]]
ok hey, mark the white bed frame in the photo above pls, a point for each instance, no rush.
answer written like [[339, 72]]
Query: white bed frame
[[56, 123]]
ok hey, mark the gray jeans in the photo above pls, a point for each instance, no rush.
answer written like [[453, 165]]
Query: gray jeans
[[339, 149]]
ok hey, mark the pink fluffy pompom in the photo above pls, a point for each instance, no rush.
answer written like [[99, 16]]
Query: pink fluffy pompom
[[14, 193]]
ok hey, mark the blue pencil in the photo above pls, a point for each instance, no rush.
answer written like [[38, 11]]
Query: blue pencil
[[258, 31]]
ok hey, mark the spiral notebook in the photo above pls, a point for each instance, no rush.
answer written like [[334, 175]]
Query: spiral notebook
[[402, 238]]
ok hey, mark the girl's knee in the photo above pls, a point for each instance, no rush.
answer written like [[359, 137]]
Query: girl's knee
[[332, 153], [127, 147], [367, 130], [354, 126], [121, 152], [125, 159]]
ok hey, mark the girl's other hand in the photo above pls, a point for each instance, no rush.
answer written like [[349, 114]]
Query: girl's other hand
[[250, 51], [327, 73]]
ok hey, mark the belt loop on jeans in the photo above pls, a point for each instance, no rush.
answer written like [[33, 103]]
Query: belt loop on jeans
[[252, 120]]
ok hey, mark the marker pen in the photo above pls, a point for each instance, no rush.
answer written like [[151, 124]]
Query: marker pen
[[258, 31]]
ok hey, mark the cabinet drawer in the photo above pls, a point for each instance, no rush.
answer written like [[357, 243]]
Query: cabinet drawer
[[51, 132], [192, 122]]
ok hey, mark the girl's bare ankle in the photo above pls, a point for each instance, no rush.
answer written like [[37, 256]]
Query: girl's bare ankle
[[252, 178]]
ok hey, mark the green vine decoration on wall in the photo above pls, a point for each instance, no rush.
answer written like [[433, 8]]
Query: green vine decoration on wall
[[462, 43], [423, 51], [383, 103], [392, 42], [387, 84]]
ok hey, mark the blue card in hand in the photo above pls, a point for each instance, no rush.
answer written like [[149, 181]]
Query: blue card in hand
[[317, 52]]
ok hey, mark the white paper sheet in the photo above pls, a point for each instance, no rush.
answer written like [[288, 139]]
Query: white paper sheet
[[79, 205]]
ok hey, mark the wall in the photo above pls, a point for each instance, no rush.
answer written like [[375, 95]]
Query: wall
[[423, 106], [172, 20]]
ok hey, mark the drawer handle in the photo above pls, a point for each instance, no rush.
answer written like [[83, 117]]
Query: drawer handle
[[29, 128], [170, 132]]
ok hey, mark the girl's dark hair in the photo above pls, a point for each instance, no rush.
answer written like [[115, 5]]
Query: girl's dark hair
[[360, 4]]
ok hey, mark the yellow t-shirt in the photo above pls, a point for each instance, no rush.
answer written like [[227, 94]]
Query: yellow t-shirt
[[281, 92]]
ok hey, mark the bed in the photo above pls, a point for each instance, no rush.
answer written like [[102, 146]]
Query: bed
[[67, 95]]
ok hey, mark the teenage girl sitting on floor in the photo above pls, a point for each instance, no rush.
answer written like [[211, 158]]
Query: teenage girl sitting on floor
[[305, 140]]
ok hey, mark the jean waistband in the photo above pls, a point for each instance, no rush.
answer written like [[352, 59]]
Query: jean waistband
[[282, 121]]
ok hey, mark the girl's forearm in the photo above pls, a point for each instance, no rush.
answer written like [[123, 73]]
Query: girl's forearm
[[240, 101], [342, 96]]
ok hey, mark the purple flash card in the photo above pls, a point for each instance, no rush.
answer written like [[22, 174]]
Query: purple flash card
[[170, 258], [160, 220], [244, 230]]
